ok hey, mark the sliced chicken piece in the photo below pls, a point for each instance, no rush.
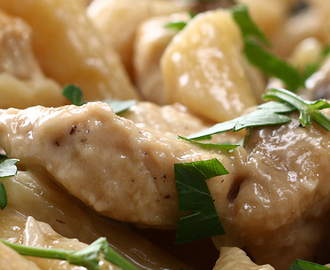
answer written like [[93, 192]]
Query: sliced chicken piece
[[204, 67], [118, 20], [32, 194], [278, 207], [22, 82], [70, 50], [120, 170], [233, 258]]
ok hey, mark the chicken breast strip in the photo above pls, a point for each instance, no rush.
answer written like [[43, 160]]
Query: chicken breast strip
[[121, 171]]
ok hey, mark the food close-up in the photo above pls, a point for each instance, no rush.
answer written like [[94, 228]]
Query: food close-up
[[164, 134]]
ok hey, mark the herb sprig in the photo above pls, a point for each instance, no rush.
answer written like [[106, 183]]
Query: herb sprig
[[7, 169], [74, 94], [179, 25], [195, 196], [309, 110], [88, 257], [254, 43], [223, 147], [271, 113], [304, 265]]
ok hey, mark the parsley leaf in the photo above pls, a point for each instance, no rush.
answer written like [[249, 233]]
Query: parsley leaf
[[87, 257], [112, 256], [7, 168], [253, 119], [270, 114], [179, 25], [272, 65], [309, 110], [119, 106], [247, 25], [74, 94], [3, 196], [194, 195], [222, 147], [303, 265]]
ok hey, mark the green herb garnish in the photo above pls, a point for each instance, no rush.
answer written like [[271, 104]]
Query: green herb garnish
[[309, 110], [222, 147], [303, 265], [271, 114], [74, 94], [119, 106], [272, 65], [248, 27], [257, 55], [88, 257], [7, 169], [179, 25], [194, 195], [3, 196], [253, 119]]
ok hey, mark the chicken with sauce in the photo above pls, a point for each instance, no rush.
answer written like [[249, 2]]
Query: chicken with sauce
[[273, 203]]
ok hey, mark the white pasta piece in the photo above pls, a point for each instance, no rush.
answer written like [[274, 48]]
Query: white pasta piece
[[117, 21], [34, 194], [311, 22], [70, 50], [22, 82], [22, 94], [38, 234], [203, 68], [152, 38], [233, 258], [307, 52]]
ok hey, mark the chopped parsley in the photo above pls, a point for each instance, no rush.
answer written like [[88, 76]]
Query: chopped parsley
[[88, 257], [222, 147], [248, 27], [7, 169], [309, 110], [194, 195], [303, 265], [271, 113], [74, 94], [254, 49], [179, 25], [119, 106]]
